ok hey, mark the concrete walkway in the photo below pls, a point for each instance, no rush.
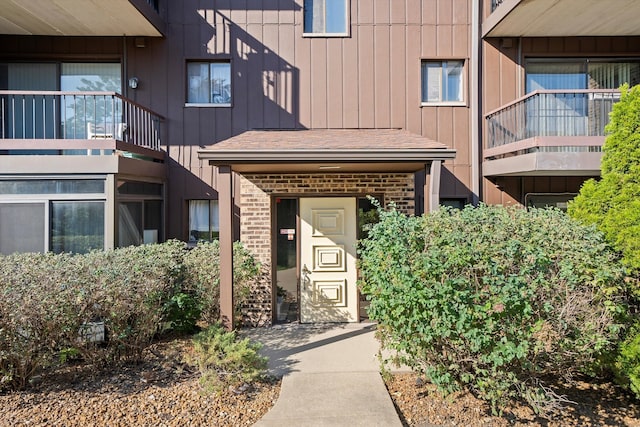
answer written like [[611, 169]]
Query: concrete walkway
[[331, 376]]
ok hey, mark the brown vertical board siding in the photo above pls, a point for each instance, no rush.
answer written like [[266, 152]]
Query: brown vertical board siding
[[429, 42], [461, 135], [587, 44], [271, 77], [287, 11], [270, 15], [509, 72], [461, 12], [303, 63], [491, 72], [398, 72], [382, 11], [238, 10], [318, 74], [430, 12], [447, 181], [461, 44], [366, 51], [335, 92], [430, 122], [223, 123], [255, 75], [444, 120], [351, 89], [398, 11], [557, 184], [365, 12], [414, 11], [382, 76], [240, 93], [528, 184], [289, 75], [445, 40], [445, 12], [176, 75], [492, 195], [414, 121], [254, 12], [462, 181]]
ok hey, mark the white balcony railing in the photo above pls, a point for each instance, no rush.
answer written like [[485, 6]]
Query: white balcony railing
[[566, 113], [42, 115]]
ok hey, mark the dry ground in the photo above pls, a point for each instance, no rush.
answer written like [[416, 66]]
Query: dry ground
[[164, 391]]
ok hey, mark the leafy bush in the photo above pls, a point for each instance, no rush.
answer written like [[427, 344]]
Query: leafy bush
[[627, 362], [224, 361], [612, 204], [34, 314], [203, 278], [492, 299]]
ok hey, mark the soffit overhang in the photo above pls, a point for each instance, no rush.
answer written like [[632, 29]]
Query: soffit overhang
[[563, 18], [80, 18], [326, 151], [544, 164]]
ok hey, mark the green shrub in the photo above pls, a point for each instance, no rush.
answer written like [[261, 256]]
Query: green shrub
[[203, 278], [225, 361], [492, 299], [613, 202], [627, 362], [46, 300]]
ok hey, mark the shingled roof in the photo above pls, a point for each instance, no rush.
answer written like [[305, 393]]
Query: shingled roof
[[353, 149], [327, 139]]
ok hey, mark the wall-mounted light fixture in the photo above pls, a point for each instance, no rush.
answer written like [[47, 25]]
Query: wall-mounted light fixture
[[133, 82]]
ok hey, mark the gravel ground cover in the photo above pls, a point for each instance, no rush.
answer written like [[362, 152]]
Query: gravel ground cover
[[594, 404], [161, 391]]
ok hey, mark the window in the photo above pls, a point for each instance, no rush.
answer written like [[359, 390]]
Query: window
[[77, 226], [326, 17], [203, 220], [140, 213], [209, 83], [453, 202], [37, 116], [549, 74], [22, 227], [442, 81]]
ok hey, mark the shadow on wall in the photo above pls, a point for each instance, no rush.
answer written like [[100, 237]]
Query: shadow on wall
[[451, 190]]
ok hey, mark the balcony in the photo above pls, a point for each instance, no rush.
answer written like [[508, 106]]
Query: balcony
[[549, 133], [81, 18], [562, 18], [77, 132]]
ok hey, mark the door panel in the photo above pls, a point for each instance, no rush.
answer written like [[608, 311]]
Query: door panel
[[328, 257]]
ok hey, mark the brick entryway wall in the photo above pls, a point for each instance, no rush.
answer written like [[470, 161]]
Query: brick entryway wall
[[255, 214]]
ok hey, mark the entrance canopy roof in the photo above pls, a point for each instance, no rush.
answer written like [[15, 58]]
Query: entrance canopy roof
[[326, 150]]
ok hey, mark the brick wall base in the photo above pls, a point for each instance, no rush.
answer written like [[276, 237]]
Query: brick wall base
[[255, 214]]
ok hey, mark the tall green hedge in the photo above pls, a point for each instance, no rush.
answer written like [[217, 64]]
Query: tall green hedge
[[47, 302], [493, 299], [613, 202]]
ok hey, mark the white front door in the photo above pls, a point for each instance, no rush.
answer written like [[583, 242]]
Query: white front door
[[328, 275]]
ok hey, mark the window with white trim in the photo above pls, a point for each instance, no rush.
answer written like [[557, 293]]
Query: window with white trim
[[326, 17], [442, 81], [203, 221], [209, 83]]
